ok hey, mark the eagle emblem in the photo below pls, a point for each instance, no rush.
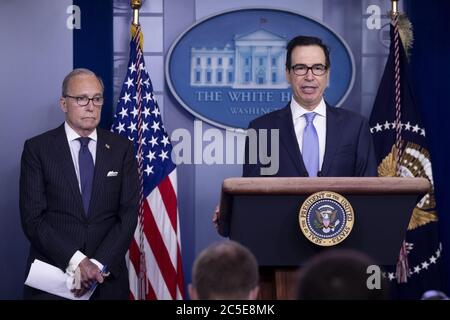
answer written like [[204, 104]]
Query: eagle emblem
[[326, 218], [414, 162]]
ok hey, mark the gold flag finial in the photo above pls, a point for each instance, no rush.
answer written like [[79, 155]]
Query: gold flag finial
[[404, 27], [394, 7], [135, 5]]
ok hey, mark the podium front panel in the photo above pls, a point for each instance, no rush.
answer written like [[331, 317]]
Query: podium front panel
[[269, 226]]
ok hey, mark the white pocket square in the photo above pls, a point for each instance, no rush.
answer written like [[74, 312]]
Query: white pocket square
[[112, 174]]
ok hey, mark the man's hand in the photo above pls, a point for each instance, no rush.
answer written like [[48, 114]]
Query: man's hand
[[79, 292], [215, 219], [89, 275]]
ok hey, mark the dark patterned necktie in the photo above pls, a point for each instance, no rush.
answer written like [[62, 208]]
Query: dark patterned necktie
[[86, 164]]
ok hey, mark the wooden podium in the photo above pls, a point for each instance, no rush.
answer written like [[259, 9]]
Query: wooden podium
[[262, 214]]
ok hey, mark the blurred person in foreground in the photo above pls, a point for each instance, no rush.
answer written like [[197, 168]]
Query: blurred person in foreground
[[225, 271], [340, 274]]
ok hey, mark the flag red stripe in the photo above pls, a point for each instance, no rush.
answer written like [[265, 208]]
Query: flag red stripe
[[159, 249], [133, 253], [134, 257], [169, 198], [151, 295], [180, 278]]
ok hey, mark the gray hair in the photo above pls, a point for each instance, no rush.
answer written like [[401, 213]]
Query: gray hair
[[77, 72]]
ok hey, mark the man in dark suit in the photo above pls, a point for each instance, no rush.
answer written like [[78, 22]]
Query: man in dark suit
[[315, 139], [79, 195]]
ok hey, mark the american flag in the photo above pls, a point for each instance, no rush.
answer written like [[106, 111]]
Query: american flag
[[154, 256]]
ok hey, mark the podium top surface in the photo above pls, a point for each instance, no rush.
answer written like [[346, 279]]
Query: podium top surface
[[348, 185]]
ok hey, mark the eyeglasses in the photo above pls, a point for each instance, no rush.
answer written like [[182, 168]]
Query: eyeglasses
[[84, 101], [302, 69]]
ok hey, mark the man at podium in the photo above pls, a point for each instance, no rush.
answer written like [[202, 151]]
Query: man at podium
[[315, 139]]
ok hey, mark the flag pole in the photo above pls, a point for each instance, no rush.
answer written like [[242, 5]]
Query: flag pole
[[402, 272], [142, 276], [397, 84], [136, 5]]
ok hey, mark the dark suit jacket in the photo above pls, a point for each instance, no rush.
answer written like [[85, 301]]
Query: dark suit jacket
[[349, 148], [52, 213]]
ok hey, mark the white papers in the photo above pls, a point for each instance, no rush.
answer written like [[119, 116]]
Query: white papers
[[45, 277]]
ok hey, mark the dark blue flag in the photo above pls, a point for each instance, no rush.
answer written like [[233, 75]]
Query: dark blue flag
[[422, 243]]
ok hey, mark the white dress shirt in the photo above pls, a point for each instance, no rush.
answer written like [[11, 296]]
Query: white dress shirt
[[320, 123]]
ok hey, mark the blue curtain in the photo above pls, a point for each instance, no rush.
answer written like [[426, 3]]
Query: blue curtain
[[430, 65], [93, 48]]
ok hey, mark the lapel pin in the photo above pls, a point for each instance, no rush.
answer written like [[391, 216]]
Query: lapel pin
[[107, 146]]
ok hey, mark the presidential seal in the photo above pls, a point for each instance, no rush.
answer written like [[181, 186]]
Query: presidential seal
[[326, 218]]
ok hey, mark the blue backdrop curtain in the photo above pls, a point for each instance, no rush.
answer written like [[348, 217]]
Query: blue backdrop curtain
[[93, 48], [430, 65]]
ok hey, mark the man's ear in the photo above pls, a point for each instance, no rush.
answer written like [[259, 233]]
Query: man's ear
[[328, 78], [192, 292], [253, 295], [62, 104], [288, 78]]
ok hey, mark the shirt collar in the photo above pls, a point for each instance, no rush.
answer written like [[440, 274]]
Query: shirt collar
[[298, 111], [72, 135]]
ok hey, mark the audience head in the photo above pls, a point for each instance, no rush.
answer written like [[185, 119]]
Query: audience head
[[225, 270], [434, 295], [339, 274]]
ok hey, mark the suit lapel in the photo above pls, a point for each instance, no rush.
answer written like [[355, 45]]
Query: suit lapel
[[62, 152], [333, 137], [289, 139]]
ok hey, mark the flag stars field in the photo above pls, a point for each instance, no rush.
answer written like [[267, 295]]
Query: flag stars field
[[135, 112], [154, 141], [391, 126], [129, 83], [123, 113], [146, 112], [155, 126], [126, 98], [149, 170], [120, 127]]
